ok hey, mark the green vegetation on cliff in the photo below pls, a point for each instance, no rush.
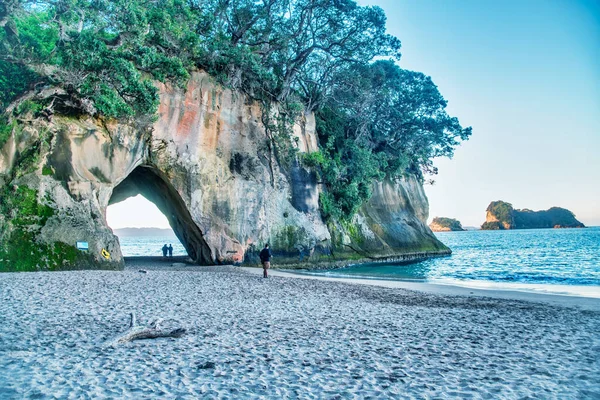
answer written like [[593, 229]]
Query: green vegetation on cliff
[[100, 57], [19, 249], [502, 215]]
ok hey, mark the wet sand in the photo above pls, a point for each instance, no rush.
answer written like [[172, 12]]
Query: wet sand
[[285, 337]]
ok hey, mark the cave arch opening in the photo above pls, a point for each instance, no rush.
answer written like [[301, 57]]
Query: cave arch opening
[[152, 184]]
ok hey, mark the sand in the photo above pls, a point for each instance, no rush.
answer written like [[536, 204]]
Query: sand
[[284, 337]]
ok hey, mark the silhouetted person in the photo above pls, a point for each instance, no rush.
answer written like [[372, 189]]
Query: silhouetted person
[[165, 249], [265, 258], [170, 250]]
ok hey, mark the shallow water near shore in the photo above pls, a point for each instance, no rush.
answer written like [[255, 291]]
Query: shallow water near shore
[[563, 261]]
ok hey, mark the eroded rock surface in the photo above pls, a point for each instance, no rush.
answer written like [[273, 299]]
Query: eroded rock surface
[[207, 164]]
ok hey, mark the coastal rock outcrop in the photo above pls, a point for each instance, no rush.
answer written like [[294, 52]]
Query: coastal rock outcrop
[[207, 164], [443, 224], [501, 215]]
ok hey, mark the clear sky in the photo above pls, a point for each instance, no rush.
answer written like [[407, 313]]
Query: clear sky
[[525, 74], [135, 212]]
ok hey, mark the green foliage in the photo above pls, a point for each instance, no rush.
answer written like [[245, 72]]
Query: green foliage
[[15, 79], [28, 107], [373, 118], [551, 218], [6, 129], [103, 53], [380, 121], [23, 208], [348, 173], [492, 226], [47, 170], [37, 38], [21, 252], [26, 214]]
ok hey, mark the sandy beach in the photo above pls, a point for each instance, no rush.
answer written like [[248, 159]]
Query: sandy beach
[[286, 337]]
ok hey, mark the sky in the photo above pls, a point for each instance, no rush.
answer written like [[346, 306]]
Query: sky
[[525, 75], [135, 212]]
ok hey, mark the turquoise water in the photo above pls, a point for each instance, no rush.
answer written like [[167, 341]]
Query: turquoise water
[[534, 256], [149, 245]]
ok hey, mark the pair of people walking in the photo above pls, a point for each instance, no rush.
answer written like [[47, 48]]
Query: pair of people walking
[[168, 250]]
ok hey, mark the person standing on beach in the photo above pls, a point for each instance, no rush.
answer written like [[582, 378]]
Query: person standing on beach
[[265, 258], [170, 250], [165, 249]]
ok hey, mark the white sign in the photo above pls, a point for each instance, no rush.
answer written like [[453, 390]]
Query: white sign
[[82, 246]]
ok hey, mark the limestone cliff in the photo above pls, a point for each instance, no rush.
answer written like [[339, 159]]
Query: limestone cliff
[[207, 163]]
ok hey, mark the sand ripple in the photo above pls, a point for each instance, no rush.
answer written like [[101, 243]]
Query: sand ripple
[[284, 338]]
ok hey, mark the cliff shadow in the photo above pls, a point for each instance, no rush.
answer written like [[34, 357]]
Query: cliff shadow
[[152, 184]]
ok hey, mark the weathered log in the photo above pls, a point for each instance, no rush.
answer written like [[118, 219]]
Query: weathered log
[[138, 332]]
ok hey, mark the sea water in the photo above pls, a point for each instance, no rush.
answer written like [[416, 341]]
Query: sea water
[[149, 245], [549, 260]]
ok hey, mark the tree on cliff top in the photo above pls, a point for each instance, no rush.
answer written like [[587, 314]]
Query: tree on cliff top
[[99, 57], [380, 120]]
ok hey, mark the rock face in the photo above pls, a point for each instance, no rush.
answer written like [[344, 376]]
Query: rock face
[[443, 224], [501, 215], [208, 165]]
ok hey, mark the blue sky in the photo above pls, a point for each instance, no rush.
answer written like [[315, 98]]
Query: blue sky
[[526, 76]]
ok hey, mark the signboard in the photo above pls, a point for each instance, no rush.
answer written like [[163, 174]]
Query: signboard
[[82, 246]]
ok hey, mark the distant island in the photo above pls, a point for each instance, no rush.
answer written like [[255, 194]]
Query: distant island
[[144, 232], [443, 224], [501, 215]]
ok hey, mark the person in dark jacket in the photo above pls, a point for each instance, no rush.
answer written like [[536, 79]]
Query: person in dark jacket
[[165, 249], [170, 248], [265, 258]]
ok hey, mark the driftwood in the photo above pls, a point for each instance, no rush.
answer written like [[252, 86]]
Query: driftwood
[[138, 332]]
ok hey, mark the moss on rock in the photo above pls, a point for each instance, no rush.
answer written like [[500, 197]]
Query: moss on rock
[[25, 214]]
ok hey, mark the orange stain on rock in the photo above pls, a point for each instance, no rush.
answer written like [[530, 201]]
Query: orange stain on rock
[[191, 110], [212, 120]]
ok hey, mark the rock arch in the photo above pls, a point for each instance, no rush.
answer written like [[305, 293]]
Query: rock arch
[[208, 164], [151, 183]]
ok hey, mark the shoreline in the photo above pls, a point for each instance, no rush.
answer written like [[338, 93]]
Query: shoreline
[[567, 294], [450, 289]]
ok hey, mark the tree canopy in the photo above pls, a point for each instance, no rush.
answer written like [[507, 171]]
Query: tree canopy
[[331, 57]]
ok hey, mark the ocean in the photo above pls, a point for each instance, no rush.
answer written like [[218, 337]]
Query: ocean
[[149, 245], [560, 261]]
